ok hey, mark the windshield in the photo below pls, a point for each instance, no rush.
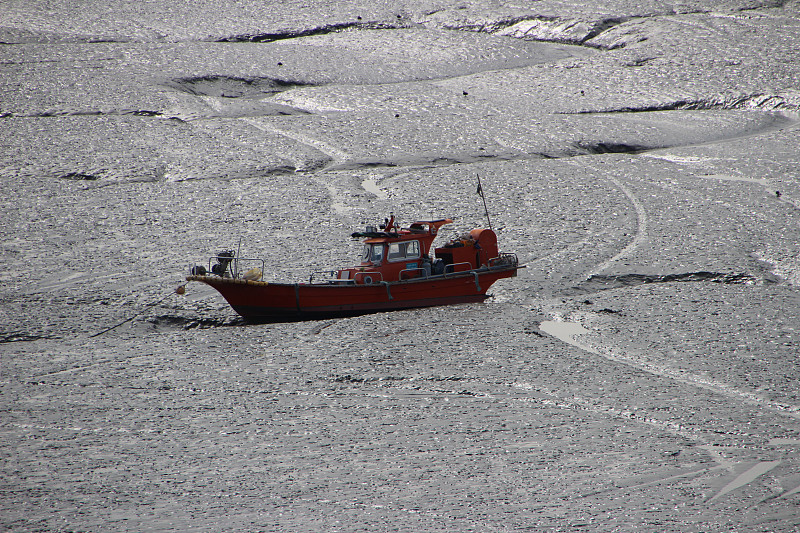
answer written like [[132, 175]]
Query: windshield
[[372, 253], [401, 251]]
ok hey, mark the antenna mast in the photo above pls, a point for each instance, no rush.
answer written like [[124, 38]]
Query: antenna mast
[[486, 210]]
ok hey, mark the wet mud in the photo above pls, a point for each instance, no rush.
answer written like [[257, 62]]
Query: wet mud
[[640, 374]]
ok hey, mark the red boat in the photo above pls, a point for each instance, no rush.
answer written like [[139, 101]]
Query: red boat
[[396, 272]]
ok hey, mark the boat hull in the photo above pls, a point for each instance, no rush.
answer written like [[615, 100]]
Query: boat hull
[[259, 301]]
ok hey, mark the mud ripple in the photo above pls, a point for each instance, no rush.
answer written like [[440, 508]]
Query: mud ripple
[[762, 101], [269, 37], [232, 86], [536, 27], [597, 282]]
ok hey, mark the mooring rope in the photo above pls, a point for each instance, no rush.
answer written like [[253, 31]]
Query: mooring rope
[[180, 290]]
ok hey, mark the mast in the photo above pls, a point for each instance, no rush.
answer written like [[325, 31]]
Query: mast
[[486, 210]]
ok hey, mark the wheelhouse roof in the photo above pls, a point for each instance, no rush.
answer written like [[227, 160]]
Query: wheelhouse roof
[[415, 231]]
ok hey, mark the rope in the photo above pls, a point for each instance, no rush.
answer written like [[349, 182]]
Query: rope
[[134, 316]]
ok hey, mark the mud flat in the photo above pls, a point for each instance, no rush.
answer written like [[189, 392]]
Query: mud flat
[[639, 375]]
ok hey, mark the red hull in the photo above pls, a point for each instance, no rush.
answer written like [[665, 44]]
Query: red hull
[[274, 302]]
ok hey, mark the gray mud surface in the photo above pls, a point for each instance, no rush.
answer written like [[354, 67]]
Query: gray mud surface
[[641, 158]]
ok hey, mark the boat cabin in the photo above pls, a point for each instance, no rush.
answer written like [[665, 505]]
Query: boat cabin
[[470, 251], [392, 255]]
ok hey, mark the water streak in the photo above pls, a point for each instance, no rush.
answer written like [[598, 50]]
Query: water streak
[[747, 477]]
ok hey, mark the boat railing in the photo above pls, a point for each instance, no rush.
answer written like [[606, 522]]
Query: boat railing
[[244, 268], [504, 260], [457, 267], [236, 267], [407, 271], [367, 277], [328, 276]]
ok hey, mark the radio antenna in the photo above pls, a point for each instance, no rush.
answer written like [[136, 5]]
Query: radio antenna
[[480, 191]]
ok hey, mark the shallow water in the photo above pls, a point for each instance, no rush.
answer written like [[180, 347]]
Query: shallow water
[[564, 331]]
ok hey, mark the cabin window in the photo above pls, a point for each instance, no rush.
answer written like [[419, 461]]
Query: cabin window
[[372, 253], [400, 251]]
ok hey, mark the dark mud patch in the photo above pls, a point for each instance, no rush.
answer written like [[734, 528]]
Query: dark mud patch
[[606, 282], [351, 379], [357, 380], [760, 101], [592, 148], [233, 87], [270, 37], [144, 113], [424, 160], [78, 176], [347, 378], [428, 159], [49, 113], [608, 311], [239, 174], [640, 62], [19, 336], [167, 322], [158, 174]]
